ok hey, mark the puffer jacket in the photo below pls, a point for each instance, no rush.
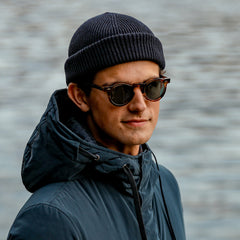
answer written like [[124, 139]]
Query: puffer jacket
[[83, 191]]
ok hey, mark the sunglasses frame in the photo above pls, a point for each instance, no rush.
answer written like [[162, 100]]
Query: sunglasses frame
[[108, 89]]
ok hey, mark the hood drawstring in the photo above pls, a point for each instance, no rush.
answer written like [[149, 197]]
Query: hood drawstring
[[164, 202], [136, 198]]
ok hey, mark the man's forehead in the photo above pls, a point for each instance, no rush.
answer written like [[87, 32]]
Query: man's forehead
[[137, 71]]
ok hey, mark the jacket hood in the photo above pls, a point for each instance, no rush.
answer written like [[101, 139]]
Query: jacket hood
[[55, 153]]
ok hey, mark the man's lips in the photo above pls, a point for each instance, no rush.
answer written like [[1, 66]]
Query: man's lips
[[136, 122]]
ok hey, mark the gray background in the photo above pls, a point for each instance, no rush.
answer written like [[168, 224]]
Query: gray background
[[198, 134]]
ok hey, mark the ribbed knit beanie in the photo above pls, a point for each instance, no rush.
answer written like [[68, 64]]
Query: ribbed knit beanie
[[107, 40]]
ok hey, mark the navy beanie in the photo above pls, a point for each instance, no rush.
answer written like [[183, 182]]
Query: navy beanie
[[107, 40]]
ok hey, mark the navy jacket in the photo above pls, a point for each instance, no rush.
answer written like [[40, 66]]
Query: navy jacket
[[83, 191]]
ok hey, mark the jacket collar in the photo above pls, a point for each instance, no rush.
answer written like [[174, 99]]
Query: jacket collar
[[56, 153]]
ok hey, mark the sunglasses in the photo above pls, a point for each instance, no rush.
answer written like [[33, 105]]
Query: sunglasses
[[120, 94]]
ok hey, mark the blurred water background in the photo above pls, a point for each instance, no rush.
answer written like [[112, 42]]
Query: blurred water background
[[198, 133]]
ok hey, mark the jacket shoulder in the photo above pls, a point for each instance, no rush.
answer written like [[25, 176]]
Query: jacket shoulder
[[172, 196], [168, 179], [42, 218]]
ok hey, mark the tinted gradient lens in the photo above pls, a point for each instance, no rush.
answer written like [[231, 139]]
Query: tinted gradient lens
[[154, 89], [121, 94]]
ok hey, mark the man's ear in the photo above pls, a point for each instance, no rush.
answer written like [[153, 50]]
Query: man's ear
[[78, 96]]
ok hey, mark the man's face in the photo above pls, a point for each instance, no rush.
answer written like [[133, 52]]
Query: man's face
[[123, 128]]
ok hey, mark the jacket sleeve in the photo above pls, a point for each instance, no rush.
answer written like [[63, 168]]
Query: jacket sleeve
[[42, 222]]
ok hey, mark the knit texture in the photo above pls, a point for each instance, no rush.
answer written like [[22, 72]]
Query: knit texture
[[107, 40]]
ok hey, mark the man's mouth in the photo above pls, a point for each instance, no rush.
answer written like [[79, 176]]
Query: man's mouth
[[136, 122]]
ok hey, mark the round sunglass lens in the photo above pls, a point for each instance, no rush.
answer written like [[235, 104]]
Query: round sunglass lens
[[121, 95], [154, 90]]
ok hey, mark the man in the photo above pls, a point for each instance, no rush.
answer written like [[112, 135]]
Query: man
[[87, 162]]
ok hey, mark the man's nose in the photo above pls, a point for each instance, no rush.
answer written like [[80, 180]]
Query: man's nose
[[138, 102]]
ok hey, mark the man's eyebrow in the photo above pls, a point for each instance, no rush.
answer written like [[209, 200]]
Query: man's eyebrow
[[112, 83]]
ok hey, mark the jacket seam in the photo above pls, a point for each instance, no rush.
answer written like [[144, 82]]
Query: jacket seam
[[56, 194]]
